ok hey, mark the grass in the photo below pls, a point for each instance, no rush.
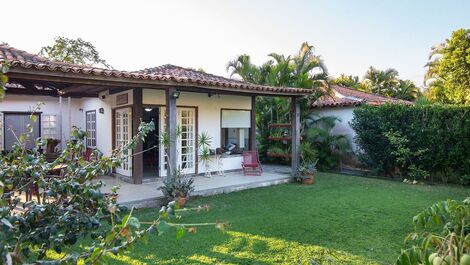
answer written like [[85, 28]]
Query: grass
[[357, 220]]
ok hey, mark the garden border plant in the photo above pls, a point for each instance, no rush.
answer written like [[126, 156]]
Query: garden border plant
[[435, 138], [72, 207]]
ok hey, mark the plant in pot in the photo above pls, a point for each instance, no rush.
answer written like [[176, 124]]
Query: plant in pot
[[177, 187], [204, 143], [306, 173]]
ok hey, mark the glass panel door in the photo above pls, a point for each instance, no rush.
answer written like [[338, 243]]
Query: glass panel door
[[185, 143], [123, 134]]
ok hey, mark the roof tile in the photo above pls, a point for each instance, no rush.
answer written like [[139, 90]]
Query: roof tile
[[22, 59], [344, 96]]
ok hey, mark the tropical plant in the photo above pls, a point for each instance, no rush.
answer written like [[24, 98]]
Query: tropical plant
[[329, 146], [204, 144], [448, 70], [179, 185], [306, 170], [74, 51], [381, 82], [441, 237], [347, 81], [304, 70], [406, 90]]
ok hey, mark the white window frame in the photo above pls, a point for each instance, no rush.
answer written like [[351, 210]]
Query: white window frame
[[90, 124], [46, 125], [238, 119]]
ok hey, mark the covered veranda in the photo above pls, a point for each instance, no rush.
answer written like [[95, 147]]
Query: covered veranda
[[35, 76]]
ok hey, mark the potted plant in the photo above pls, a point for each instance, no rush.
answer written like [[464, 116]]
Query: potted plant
[[184, 185], [177, 187], [306, 173], [204, 143]]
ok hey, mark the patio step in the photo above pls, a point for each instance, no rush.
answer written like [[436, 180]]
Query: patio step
[[155, 202]]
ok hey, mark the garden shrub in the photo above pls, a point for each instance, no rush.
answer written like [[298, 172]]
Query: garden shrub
[[433, 138]]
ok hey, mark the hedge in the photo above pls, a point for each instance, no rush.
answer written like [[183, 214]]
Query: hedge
[[443, 130]]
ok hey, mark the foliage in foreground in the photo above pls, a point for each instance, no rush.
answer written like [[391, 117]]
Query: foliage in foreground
[[73, 205], [442, 235], [430, 138]]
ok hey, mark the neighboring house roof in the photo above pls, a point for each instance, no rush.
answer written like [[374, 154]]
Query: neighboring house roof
[[169, 74], [344, 96]]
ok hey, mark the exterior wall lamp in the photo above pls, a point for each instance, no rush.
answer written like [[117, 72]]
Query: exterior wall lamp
[[175, 94]]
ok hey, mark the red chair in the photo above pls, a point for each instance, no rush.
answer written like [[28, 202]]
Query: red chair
[[251, 165], [87, 154]]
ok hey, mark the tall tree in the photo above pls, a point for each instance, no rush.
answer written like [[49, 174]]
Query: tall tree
[[381, 82], [448, 70], [347, 81], [304, 70], [74, 51], [406, 90]]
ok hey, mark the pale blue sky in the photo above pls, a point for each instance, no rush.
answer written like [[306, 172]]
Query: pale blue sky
[[350, 35]]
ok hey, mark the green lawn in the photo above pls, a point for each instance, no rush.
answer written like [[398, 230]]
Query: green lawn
[[360, 220]]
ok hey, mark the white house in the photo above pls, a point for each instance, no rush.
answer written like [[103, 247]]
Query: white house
[[342, 102], [110, 104]]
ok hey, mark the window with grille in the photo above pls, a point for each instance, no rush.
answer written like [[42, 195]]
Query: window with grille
[[91, 129], [50, 127]]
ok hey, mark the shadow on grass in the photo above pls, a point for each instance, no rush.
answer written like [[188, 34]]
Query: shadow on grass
[[243, 248]]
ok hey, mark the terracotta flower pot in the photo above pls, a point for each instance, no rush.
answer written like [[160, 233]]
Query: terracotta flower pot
[[308, 180], [181, 201]]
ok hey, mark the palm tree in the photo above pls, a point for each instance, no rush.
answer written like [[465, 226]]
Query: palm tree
[[310, 71], [406, 90], [318, 131], [347, 81], [381, 82], [303, 70], [243, 67]]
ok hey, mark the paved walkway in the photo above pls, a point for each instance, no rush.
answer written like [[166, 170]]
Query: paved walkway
[[148, 195]]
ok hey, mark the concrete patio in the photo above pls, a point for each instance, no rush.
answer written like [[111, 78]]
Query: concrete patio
[[148, 195]]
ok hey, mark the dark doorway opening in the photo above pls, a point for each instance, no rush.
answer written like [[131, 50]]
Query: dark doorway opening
[[151, 158]]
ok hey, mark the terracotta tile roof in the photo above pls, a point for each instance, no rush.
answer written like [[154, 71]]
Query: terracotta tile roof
[[166, 73], [343, 96]]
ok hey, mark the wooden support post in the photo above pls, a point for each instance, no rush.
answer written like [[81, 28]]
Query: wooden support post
[[171, 129], [295, 105], [137, 114], [252, 143]]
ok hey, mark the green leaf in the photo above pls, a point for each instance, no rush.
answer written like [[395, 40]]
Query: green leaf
[[180, 233], [6, 222], [133, 222], [163, 227]]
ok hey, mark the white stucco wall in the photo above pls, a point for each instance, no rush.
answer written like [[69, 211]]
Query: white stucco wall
[[51, 106], [209, 109], [345, 114]]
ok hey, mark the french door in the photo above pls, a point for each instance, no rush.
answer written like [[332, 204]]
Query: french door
[[123, 134], [185, 143]]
